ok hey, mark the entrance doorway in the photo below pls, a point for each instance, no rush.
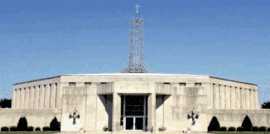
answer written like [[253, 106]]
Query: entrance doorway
[[134, 112]]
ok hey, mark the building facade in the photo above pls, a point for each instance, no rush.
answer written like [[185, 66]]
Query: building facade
[[144, 102]]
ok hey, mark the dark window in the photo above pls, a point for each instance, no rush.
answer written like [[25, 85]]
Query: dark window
[[182, 84], [73, 84], [198, 84], [167, 83], [87, 83]]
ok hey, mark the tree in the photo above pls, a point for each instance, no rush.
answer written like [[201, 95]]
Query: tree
[[247, 124], [55, 125], [266, 105], [5, 103], [22, 124], [214, 125]]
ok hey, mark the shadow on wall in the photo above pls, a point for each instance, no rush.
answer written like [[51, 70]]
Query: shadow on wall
[[22, 125], [247, 125]]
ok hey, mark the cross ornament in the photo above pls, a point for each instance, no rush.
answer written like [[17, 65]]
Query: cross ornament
[[193, 116], [75, 115]]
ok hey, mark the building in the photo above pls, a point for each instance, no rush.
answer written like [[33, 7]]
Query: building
[[135, 101]]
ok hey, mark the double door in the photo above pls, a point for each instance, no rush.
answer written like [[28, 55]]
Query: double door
[[134, 112]]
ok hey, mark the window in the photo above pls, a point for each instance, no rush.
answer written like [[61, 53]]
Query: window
[[87, 83], [72, 84], [198, 84], [182, 84]]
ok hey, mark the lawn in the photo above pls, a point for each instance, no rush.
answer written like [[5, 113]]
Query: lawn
[[241, 132], [28, 132]]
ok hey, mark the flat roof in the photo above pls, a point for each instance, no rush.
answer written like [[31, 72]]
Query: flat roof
[[136, 74]]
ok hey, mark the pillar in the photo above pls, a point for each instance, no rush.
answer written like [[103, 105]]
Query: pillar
[[23, 98], [57, 98], [253, 99], [34, 91], [152, 112], [222, 98], [217, 96], [249, 99], [233, 98], [246, 98], [47, 96], [19, 98], [41, 105], [229, 97], [38, 97], [240, 98], [116, 112], [53, 96], [14, 98]]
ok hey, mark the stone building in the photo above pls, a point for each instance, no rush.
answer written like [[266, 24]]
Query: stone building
[[144, 102], [135, 101]]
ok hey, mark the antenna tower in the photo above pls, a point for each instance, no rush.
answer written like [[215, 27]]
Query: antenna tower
[[136, 44]]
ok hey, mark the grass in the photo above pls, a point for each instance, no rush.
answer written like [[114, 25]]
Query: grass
[[28, 132], [241, 132]]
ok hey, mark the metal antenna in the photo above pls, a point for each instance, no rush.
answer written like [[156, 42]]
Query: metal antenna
[[136, 44]]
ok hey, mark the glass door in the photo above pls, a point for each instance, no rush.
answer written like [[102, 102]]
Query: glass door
[[134, 112]]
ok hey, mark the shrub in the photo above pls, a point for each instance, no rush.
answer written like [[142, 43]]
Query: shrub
[[232, 129], [162, 129], [223, 129], [37, 129], [105, 129], [30, 129], [4, 129], [22, 124], [262, 129], [13, 128], [255, 128], [55, 125], [46, 128], [240, 129]]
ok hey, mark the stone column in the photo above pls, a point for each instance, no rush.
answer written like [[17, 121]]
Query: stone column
[[47, 96], [233, 100], [217, 96], [53, 96], [19, 103], [38, 97], [245, 99], [13, 101], [253, 99], [213, 96], [28, 97], [33, 97], [23, 98], [116, 112], [17, 97], [41, 105], [229, 97], [248, 98], [152, 112], [34, 92], [226, 97], [241, 98], [29, 104], [57, 96], [222, 98]]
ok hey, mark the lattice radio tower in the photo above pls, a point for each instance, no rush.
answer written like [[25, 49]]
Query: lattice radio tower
[[136, 44]]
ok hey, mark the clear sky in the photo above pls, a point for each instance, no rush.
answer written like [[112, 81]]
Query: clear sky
[[225, 38]]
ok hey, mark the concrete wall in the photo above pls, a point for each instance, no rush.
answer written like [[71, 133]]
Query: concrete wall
[[42, 118]]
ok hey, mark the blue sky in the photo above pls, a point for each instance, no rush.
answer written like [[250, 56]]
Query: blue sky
[[225, 38]]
